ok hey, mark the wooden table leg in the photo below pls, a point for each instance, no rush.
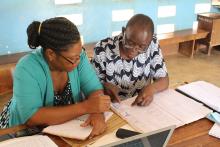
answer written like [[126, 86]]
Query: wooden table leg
[[193, 49], [209, 50]]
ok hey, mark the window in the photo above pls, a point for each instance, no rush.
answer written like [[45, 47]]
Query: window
[[77, 19], [115, 33], [195, 24], [203, 7], [166, 11], [66, 2], [165, 28], [82, 39], [122, 15]]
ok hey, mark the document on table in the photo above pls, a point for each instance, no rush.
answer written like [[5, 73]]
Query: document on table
[[29, 141], [72, 128], [168, 108], [205, 92], [215, 131], [181, 107]]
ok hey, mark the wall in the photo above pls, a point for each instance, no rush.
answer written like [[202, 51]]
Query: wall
[[97, 22]]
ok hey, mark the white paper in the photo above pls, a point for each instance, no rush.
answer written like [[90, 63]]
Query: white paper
[[205, 92], [168, 108], [181, 107], [72, 128], [29, 141], [215, 131], [148, 118]]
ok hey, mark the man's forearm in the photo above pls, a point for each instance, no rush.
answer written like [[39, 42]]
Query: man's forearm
[[160, 84]]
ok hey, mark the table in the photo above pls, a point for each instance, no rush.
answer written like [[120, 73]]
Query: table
[[211, 23], [185, 38], [194, 134]]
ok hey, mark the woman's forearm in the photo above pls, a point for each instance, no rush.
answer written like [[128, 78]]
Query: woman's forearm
[[96, 102], [56, 115]]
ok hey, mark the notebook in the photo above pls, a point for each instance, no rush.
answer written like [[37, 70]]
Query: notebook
[[29, 141], [168, 108], [215, 131], [72, 128], [204, 92]]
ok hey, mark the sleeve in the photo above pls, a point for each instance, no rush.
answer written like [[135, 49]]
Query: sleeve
[[99, 62], [89, 81], [27, 94], [158, 67]]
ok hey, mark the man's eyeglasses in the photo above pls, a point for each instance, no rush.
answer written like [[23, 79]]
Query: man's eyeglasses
[[131, 46]]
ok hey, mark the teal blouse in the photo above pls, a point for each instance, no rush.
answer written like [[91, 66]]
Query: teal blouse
[[33, 86]]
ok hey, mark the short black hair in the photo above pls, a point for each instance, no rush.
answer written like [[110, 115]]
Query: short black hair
[[143, 21], [54, 33]]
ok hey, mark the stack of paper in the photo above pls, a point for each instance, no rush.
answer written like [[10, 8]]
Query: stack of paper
[[30, 141], [181, 107], [168, 108], [72, 128], [205, 92], [215, 130]]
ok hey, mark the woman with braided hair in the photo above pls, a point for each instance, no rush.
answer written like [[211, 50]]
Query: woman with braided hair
[[55, 83]]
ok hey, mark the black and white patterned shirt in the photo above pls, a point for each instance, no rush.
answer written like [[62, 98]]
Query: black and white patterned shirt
[[129, 75]]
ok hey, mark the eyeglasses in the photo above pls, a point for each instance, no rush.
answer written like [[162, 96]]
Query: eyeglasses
[[68, 60], [131, 46]]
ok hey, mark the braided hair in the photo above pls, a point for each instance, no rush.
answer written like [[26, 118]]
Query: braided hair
[[55, 33]]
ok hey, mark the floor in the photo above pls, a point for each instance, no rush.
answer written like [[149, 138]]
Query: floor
[[182, 69]]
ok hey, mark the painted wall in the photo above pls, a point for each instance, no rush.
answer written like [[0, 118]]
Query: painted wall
[[16, 15]]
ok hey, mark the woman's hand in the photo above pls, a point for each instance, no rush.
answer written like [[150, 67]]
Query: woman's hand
[[145, 96], [97, 102], [112, 91], [97, 120]]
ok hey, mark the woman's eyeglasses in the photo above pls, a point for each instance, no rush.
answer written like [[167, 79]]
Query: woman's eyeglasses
[[72, 61]]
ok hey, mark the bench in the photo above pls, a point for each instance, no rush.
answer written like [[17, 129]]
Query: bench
[[6, 80], [185, 38]]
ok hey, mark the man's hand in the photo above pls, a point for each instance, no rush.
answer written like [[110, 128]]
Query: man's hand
[[97, 120], [145, 96], [112, 91]]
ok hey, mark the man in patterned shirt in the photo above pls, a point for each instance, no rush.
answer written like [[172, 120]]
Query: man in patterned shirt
[[131, 63]]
